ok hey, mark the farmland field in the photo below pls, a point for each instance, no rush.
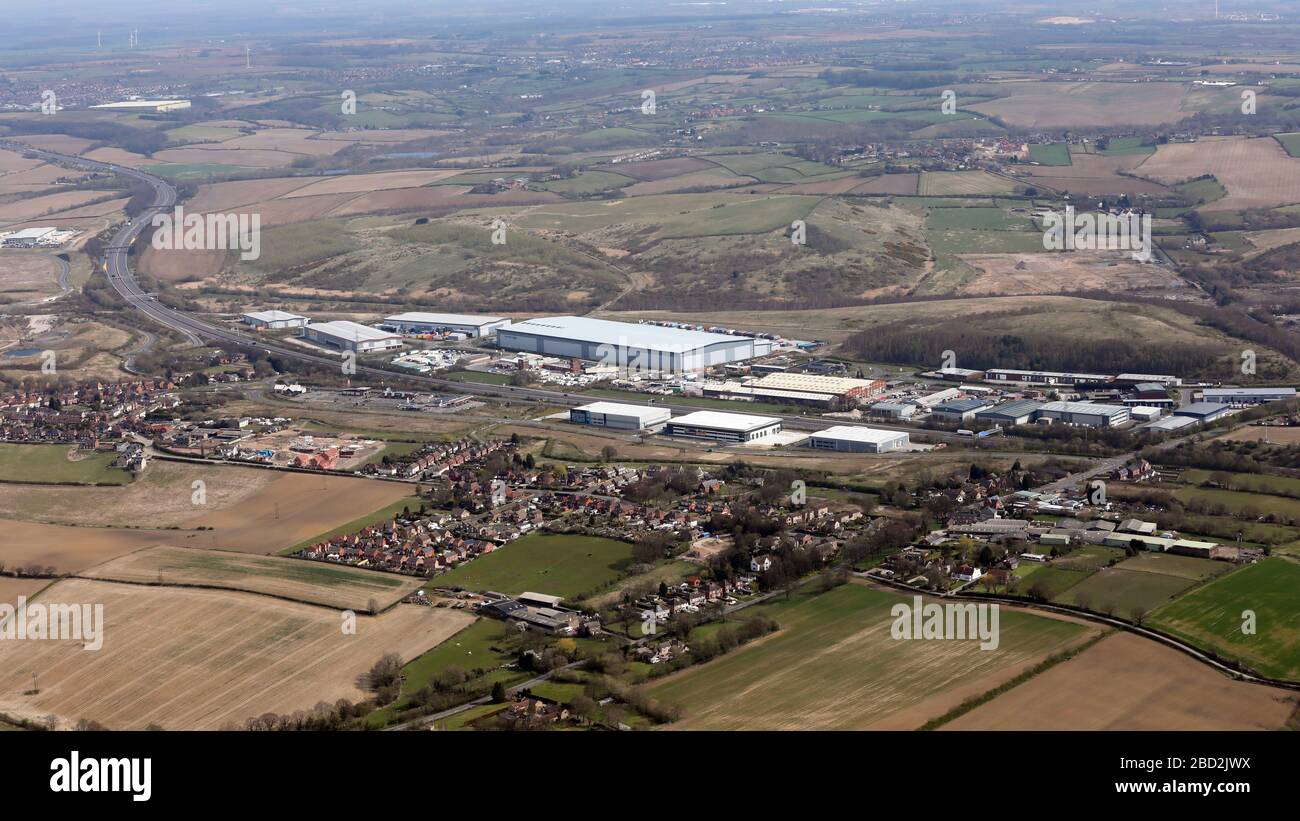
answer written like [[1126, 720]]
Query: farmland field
[[313, 582], [1211, 617], [833, 665], [204, 659], [1257, 173], [292, 508], [1125, 682], [1140, 584], [555, 564], [61, 464]]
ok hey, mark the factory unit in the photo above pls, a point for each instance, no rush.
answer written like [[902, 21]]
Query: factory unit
[[723, 427], [1045, 377], [798, 388], [1016, 412], [960, 410], [350, 336], [1242, 397], [1143, 413], [1164, 380], [932, 399], [155, 106], [273, 320], [1171, 423], [893, 410], [858, 440], [1203, 411], [1085, 413], [471, 325], [627, 345], [619, 416]]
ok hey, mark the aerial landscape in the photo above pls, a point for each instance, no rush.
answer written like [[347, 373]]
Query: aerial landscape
[[650, 367]]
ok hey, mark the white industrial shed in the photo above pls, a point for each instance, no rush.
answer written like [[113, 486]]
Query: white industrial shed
[[350, 336], [1090, 414], [619, 416], [264, 320], [628, 345], [723, 427], [858, 440], [418, 322]]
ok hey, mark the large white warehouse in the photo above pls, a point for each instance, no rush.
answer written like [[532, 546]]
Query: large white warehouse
[[723, 427], [858, 440], [628, 345], [620, 416], [350, 336], [265, 320], [418, 322]]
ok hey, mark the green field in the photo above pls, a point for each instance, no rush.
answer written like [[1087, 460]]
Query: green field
[[834, 665], [1050, 154], [1051, 581], [588, 182], [1123, 146], [1211, 617], [1141, 584], [195, 171], [558, 565], [50, 464], [1291, 142]]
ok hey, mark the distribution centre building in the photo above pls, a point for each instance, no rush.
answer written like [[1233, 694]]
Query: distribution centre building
[[1015, 412], [1203, 411], [472, 325], [620, 416], [1094, 415], [1246, 396], [723, 427], [858, 440], [350, 336], [628, 345], [272, 320]]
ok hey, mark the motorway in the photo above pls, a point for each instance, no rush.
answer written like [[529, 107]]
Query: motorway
[[121, 277]]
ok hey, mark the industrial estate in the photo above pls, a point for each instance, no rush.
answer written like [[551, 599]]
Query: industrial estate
[[599, 369]]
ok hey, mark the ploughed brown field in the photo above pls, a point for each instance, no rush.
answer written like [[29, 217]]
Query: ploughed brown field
[[1129, 683], [294, 507], [205, 659]]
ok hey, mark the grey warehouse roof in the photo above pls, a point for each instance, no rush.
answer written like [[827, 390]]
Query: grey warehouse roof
[[629, 334]]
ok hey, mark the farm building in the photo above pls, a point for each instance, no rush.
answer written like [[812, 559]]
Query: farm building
[[858, 440], [1240, 397], [628, 345], [959, 410], [350, 336], [723, 427], [472, 325], [1085, 413], [620, 416], [1018, 412], [273, 320], [1203, 411]]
